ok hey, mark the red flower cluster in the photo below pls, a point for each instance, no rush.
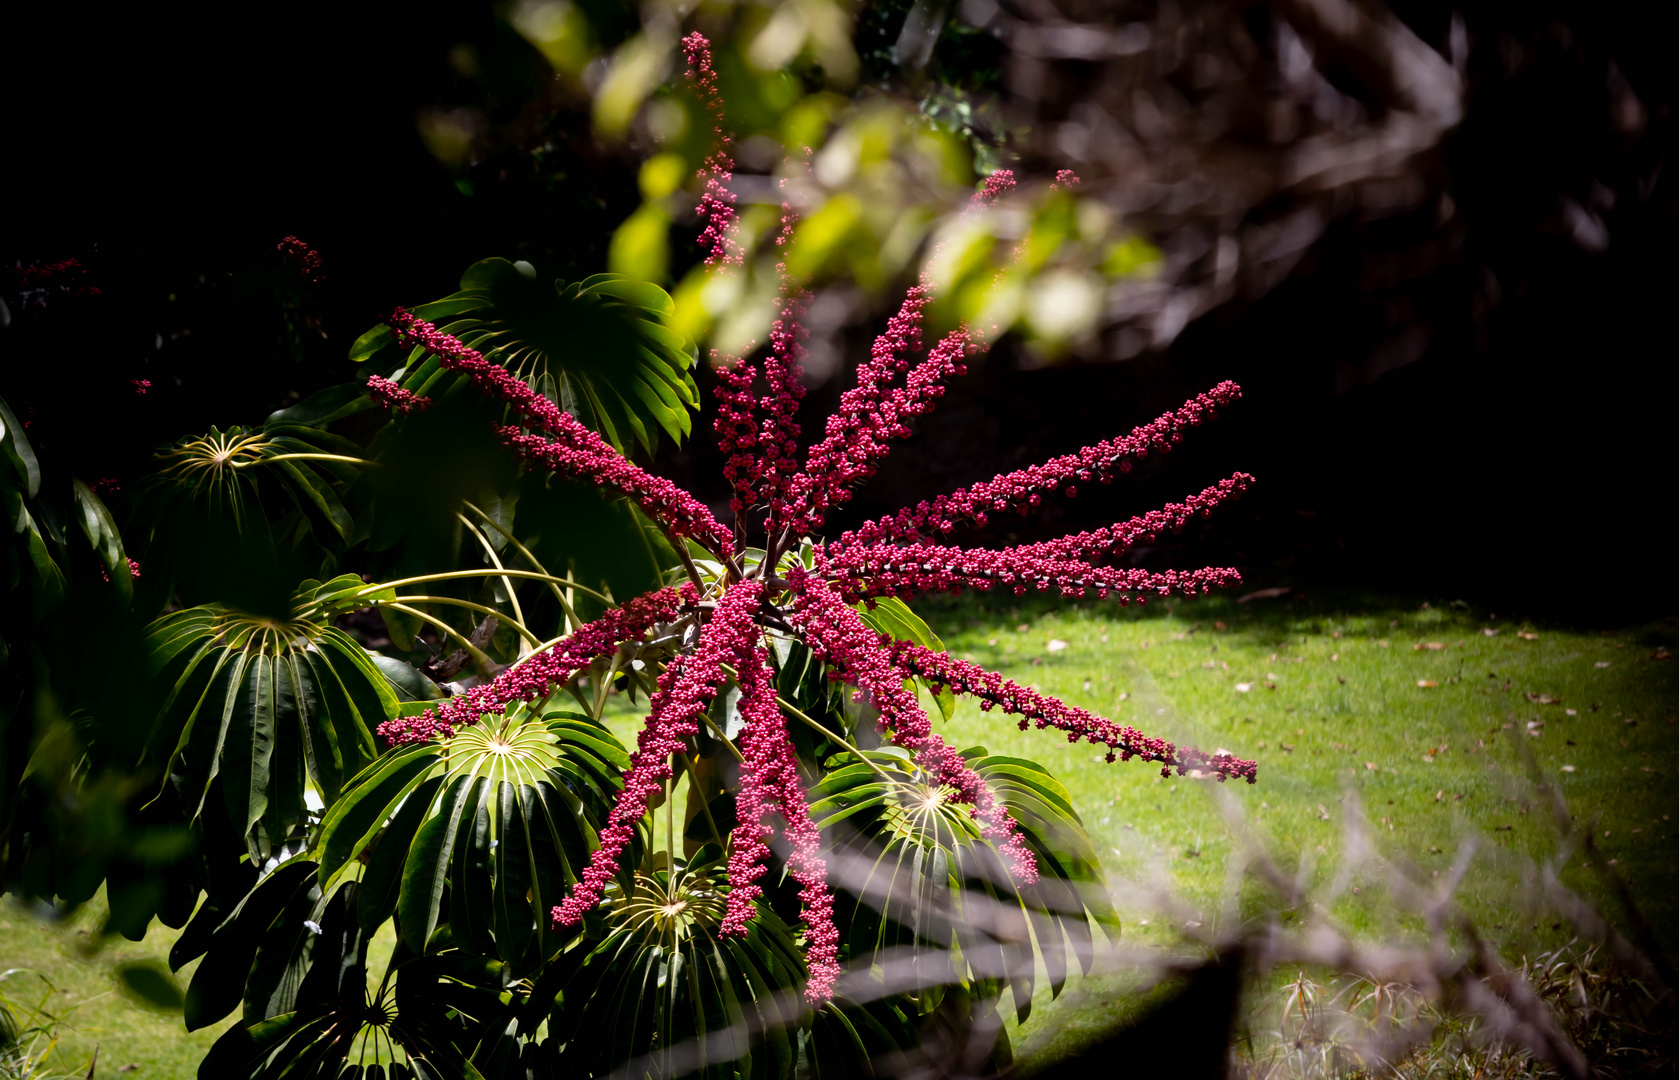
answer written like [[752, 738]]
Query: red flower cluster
[[717, 202], [133, 571], [685, 689], [896, 556], [996, 692], [1025, 488], [539, 674], [391, 397], [770, 784], [305, 258], [890, 570]]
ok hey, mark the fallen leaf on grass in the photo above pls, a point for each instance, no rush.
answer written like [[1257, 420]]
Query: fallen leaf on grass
[[1286, 747], [1243, 687], [1490, 632], [1323, 814], [1568, 768], [1527, 635], [1543, 699], [1266, 594], [1601, 663], [1427, 684], [1434, 646], [1661, 654], [1220, 626], [1371, 765], [1432, 850], [1570, 712], [1440, 796], [1056, 645]]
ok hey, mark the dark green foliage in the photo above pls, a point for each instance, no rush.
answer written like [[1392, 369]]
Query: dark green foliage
[[600, 348]]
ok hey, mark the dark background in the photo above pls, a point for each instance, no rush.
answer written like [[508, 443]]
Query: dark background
[[1522, 462]]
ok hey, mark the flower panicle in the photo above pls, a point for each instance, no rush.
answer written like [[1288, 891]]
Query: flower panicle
[[685, 689], [737, 430], [1025, 488], [391, 396], [717, 203], [855, 444], [994, 691], [888, 570], [778, 436], [770, 785], [853, 654], [1115, 540], [539, 673], [576, 451]]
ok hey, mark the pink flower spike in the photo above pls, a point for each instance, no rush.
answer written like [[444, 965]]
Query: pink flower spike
[[995, 691], [838, 637], [770, 785], [685, 689], [577, 452], [537, 675], [1018, 490], [717, 202], [391, 397]]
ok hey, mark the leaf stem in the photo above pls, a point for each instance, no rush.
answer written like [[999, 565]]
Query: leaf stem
[[559, 594], [487, 610], [507, 582], [301, 457], [455, 574], [477, 654]]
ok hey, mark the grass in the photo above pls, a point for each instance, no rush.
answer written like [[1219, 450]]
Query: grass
[[1434, 720], [131, 1039], [1334, 713]]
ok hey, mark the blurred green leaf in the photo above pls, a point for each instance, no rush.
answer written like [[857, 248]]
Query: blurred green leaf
[[149, 983]]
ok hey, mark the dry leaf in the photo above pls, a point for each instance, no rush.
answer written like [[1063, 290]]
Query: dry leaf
[[1440, 796], [1661, 654], [1220, 626], [1434, 646], [1056, 645], [1527, 635], [1243, 687], [1543, 699], [1601, 663], [1266, 594], [1568, 768], [1323, 814], [1371, 765], [1490, 632], [1427, 684]]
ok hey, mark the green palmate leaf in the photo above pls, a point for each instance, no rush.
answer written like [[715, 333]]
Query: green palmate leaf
[[14, 446], [219, 503], [484, 833], [308, 1010], [663, 994], [915, 872], [322, 408], [102, 534], [604, 343], [264, 710]]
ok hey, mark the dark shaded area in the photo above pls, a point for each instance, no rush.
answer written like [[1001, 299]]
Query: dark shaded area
[[1491, 423]]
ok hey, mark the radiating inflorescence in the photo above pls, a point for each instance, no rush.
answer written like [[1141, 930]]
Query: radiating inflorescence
[[722, 623]]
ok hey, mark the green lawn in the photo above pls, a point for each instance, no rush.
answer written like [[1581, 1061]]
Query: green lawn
[[1333, 711], [132, 1040], [1435, 727]]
